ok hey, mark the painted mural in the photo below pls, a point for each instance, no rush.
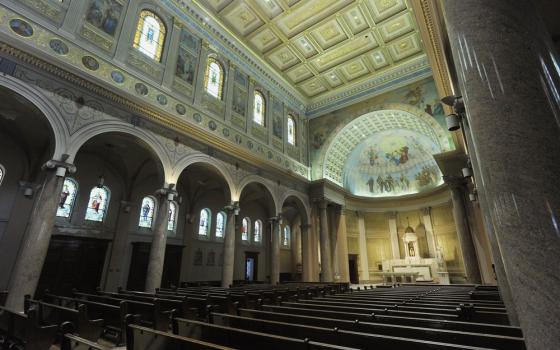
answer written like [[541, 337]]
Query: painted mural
[[104, 15], [392, 163]]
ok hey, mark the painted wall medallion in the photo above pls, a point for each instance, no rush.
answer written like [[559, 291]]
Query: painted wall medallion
[[90, 63], [181, 109], [117, 77], [197, 117], [141, 89], [162, 100], [21, 27], [59, 46], [226, 132], [238, 139], [212, 125], [250, 144]]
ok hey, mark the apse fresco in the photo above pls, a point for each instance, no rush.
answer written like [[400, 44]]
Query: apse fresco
[[392, 163]]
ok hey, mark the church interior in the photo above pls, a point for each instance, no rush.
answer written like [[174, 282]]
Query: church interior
[[306, 174]]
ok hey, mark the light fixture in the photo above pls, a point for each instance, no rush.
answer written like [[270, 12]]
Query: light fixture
[[453, 122], [467, 172], [28, 192]]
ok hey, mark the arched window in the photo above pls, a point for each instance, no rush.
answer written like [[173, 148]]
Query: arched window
[[204, 223], [172, 218], [286, 237], [214, 78], [257, 232], [259, 108], [2, 173], [147, 211], [67, 197], [220, 224], [150, 35], [291, 130], [245, 230], [98, 203]]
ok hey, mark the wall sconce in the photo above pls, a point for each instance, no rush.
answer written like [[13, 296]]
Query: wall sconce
[[467, 172], [453, 122], [28, 192], [60, 171]]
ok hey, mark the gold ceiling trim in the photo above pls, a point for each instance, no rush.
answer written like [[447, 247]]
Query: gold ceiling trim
[[148, 112]]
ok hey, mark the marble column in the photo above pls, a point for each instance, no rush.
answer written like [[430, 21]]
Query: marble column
[[394, 234], [295, 247], [116, 276], [509, 78], [229, 245], [307, 253], [457, 188], [325, 244], [333, 217], [342, 247], [364, 262], [157, 249], [275, 251], [427, 219], [33, 251]]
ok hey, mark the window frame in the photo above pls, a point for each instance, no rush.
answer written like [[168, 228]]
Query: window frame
[[248, 240], [209, 62], [73, 204], [260, 223], [208, 224], [2, 174], [289, 237], [153, 216], [292, 119], [259, 93], [174, 220], [224, 216], [105, 210], [139, 32]]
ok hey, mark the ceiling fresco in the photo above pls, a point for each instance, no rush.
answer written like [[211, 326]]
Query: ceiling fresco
[[325, 47]]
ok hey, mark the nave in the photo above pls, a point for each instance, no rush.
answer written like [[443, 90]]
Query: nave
[[257, 316]]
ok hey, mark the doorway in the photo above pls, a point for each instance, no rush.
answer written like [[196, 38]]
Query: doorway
[[251, 266], [353, 267]]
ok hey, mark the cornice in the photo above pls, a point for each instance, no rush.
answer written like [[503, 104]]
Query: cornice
[[146, 111]]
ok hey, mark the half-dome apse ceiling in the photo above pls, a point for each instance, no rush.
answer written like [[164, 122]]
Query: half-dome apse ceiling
[[387, 153]]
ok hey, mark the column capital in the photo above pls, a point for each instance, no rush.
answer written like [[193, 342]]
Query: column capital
[[232, 208], [276, 219], [321, 202], [54, 164], [167, 192], [304, 227], [391, 214], [426, 211], [454, 182]]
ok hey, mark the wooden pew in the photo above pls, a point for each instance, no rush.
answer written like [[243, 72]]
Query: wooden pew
[[142, 338], [55, 314], [73, 342], [428, 334], [243, 339], [24, 332]]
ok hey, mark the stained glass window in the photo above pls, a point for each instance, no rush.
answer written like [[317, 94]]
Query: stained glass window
[[245, 229], [2, 172], [214, 78], [98, 203], [172, 217], [220, 224], [204, 223], [147, 212], [257, 233], [291, 130], [150, 35], [286, 237], [67, 198], [258, 108]]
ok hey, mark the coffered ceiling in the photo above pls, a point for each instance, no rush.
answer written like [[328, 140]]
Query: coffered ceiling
[[325, 47]]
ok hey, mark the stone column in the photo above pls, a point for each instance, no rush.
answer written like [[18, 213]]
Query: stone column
[[508, 74], [275, 251], [157, 250], [116, 277], [229, 245], [427, 219], [307, 253], [457, 186], [341, 249], [394, 234], [326, 254], [364, 262], [295, 247], [35, 246]]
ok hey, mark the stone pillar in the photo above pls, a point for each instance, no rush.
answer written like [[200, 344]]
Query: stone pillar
[[307, 253], [427, 219], [394, 234], [229, 245], [35, 246], [508, 73], [116, 277], [157, 250], [341, 249], [457, 186], [275, 251], [364, 262], [326, 254], [295, 248]]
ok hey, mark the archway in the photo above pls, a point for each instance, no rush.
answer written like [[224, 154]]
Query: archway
[[293, 233]]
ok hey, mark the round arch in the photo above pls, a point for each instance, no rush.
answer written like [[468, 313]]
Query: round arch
[[301, 202], [201, 158], [90, 131], [49, 110], [257, 179]]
